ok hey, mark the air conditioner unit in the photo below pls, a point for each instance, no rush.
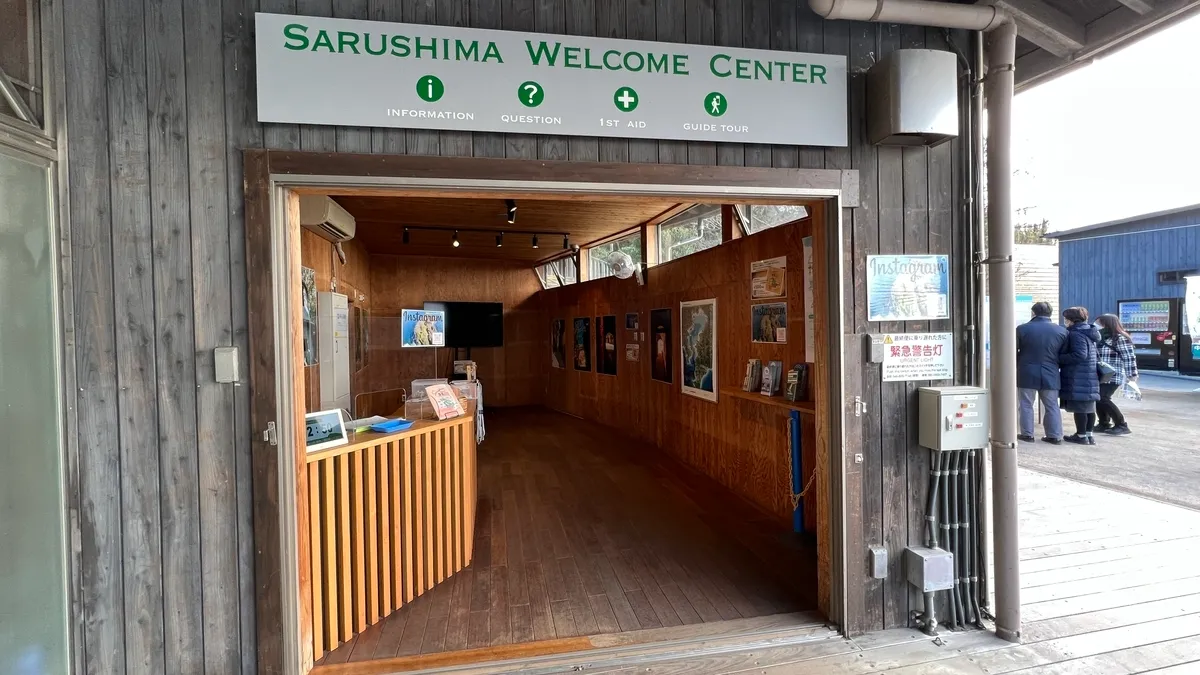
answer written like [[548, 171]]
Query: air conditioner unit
[[323, 216]]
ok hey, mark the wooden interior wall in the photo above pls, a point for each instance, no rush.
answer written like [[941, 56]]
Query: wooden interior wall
[[352, 280], [511, 375], [742, 444], [160, 103]]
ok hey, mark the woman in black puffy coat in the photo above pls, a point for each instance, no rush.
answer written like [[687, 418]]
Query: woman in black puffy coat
[[1080, 388]]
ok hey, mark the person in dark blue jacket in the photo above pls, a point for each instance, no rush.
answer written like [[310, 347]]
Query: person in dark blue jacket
[[1079, 375], [1039, 343]]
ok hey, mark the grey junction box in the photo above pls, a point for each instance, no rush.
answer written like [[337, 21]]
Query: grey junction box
[[953, 418]]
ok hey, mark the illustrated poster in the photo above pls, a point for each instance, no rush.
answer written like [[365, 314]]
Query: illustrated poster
[[558, 343], [583, 344], [660, 345], [422, 328], [308, 289], [768, 278], [768, 322], [908, 287]]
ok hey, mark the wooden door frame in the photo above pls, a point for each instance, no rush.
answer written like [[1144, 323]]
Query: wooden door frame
[[272, 180]]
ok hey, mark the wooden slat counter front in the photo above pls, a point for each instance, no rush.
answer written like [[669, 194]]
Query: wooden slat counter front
[[390, 516]]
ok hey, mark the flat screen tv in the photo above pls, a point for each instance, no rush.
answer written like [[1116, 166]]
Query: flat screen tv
[[472, 324]]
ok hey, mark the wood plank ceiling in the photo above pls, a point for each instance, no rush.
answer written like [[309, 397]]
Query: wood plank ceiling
[[1056, 36], [432, 222]]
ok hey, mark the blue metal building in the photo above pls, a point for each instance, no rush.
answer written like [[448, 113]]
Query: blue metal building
[[1141, 257]]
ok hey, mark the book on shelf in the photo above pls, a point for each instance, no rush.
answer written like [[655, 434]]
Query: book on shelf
[[797, 387], [772, 379], [753, 378]]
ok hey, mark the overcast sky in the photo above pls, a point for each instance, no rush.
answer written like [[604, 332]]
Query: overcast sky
[[1118, 138]]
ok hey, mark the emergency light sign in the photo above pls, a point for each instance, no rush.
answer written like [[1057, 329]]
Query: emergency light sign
[[918, 356]]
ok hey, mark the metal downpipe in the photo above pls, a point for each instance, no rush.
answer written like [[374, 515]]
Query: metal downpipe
[[999, 87]]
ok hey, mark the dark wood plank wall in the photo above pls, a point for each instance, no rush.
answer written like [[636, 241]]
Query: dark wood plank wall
[[160, 103], [741, 444]]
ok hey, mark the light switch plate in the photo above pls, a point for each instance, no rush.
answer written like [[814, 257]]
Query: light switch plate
[[225, 364]]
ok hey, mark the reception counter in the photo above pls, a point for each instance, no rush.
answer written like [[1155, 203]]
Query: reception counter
[[390, 517]]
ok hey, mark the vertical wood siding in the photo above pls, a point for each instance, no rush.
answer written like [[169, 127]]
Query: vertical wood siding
[[160, 103], [1097, 272]]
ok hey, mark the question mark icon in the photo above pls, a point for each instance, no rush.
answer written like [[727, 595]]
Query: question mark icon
[[530, 94]]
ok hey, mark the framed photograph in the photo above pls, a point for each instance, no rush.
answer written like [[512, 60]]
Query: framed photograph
[[768, 322], [422, 328], [558, 343], [698, 348], [606, 345], [308, 291], [631, 321], [660, 345], [324, 429], [583, 344]]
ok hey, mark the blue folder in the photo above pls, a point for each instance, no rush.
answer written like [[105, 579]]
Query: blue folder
[[391, 426]]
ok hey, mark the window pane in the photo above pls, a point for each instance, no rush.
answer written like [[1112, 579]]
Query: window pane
[[694, 230], [557, 272], [20, 55], [765, 217], [33, 596], [598, 266]]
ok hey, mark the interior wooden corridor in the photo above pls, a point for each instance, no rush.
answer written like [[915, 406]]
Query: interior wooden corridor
[[581, 532]]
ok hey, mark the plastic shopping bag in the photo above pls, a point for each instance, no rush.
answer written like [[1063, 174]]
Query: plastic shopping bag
[[1131, 391]]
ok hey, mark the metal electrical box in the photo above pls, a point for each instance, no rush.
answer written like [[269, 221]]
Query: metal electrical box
[[333, 342], [929, 569], [912, 98], [953, 418]]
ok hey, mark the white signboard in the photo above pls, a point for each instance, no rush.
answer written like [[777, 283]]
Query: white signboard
[[318, 70], [918, 356]]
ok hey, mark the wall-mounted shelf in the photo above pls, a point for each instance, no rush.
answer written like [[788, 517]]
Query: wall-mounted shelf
[[805, 407]]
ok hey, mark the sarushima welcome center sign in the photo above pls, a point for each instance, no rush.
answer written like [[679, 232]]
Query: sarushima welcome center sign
[[314, 70]]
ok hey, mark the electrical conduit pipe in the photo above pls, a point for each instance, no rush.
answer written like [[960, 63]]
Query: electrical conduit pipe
[[999, 84]]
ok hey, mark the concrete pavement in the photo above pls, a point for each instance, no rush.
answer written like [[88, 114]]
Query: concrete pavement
[[1160, 459]]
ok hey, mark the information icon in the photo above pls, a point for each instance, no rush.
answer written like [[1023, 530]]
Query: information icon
[[430, 88]]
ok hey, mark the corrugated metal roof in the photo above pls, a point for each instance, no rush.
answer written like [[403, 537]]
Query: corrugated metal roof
[[1131, 224]]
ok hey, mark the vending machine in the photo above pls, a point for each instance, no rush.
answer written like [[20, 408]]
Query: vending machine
[[1155, 325], [1189, 342]]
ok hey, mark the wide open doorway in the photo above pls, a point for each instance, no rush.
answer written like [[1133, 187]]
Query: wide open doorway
[[657, 516]]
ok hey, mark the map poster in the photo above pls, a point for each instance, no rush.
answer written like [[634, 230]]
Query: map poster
[[422, 328], [768, 278], [918, 356], [698, 348], [660, 345], [583, 344], [908, 287]]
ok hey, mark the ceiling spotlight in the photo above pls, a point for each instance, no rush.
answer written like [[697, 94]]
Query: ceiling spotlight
[[512, 210], [499, 240], [566, 244], [406, 235], [454, 241], [535, 241]]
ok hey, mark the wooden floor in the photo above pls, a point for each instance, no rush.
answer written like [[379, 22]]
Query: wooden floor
[[582, 533], [1110, 585]]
